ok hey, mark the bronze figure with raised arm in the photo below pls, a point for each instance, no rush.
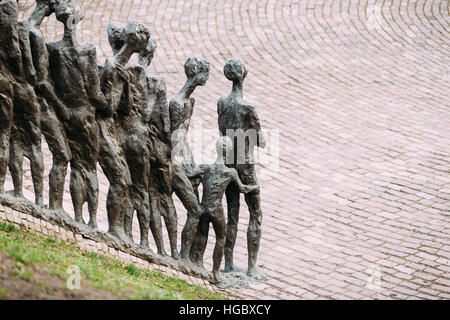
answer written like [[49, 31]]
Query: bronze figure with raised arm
[[133, 116], [181, 108], [115, 84], [52, 109]]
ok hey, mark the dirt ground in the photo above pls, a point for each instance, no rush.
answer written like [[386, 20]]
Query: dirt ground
[[42, 285]]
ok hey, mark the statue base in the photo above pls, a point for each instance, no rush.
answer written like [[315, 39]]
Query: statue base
[[60, 218]]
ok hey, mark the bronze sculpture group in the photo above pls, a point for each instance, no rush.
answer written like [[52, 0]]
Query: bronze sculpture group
[[118, 115]]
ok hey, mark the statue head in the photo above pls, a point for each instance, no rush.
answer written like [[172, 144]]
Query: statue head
[[224, 146], [48, 5], [146, 55], [9, 12], [68, 12], [234, 70], [116, 37], [197, 70], [136, 36]]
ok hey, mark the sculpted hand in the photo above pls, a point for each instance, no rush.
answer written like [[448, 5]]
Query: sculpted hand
[[249, 189]]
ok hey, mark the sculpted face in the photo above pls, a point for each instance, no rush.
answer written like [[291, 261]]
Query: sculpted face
[[116, 37], [235, 70], [136, 36], [48, 5], [201, 78], [146, 56], [197, 69], [68, 12]]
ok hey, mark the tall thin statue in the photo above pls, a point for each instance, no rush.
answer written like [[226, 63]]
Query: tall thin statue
[[10, 69], [115, 82], [159, 143], [52, 109], [181, 108], [215, 179], [26, 130], [74, 71], [132, 118], [239, 121]]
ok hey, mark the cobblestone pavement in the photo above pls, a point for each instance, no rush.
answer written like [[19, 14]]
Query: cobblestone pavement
[[357, 92]]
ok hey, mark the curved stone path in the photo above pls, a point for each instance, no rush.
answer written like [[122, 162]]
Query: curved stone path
[[355, 98]]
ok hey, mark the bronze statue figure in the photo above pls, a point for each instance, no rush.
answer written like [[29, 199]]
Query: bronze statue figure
[[73, 68], [26, 128], [115, 84], [6, 118], [215, 179], [159, 144], [10, 69], [132, 118], [117, 115], [52, 109], [181, 108], [238, 120]]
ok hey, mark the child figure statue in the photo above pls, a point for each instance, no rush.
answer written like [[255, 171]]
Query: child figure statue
[[215, 179]]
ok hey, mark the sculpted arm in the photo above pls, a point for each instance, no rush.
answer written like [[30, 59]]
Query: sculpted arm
[[92, 82], [164, 107], [197, 171], [222, 130], [46, 89], [151, 103], [255, 124], [175, 115], [128, 93], [242, 187], [107, 82], [13, 54], [27, 58]]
